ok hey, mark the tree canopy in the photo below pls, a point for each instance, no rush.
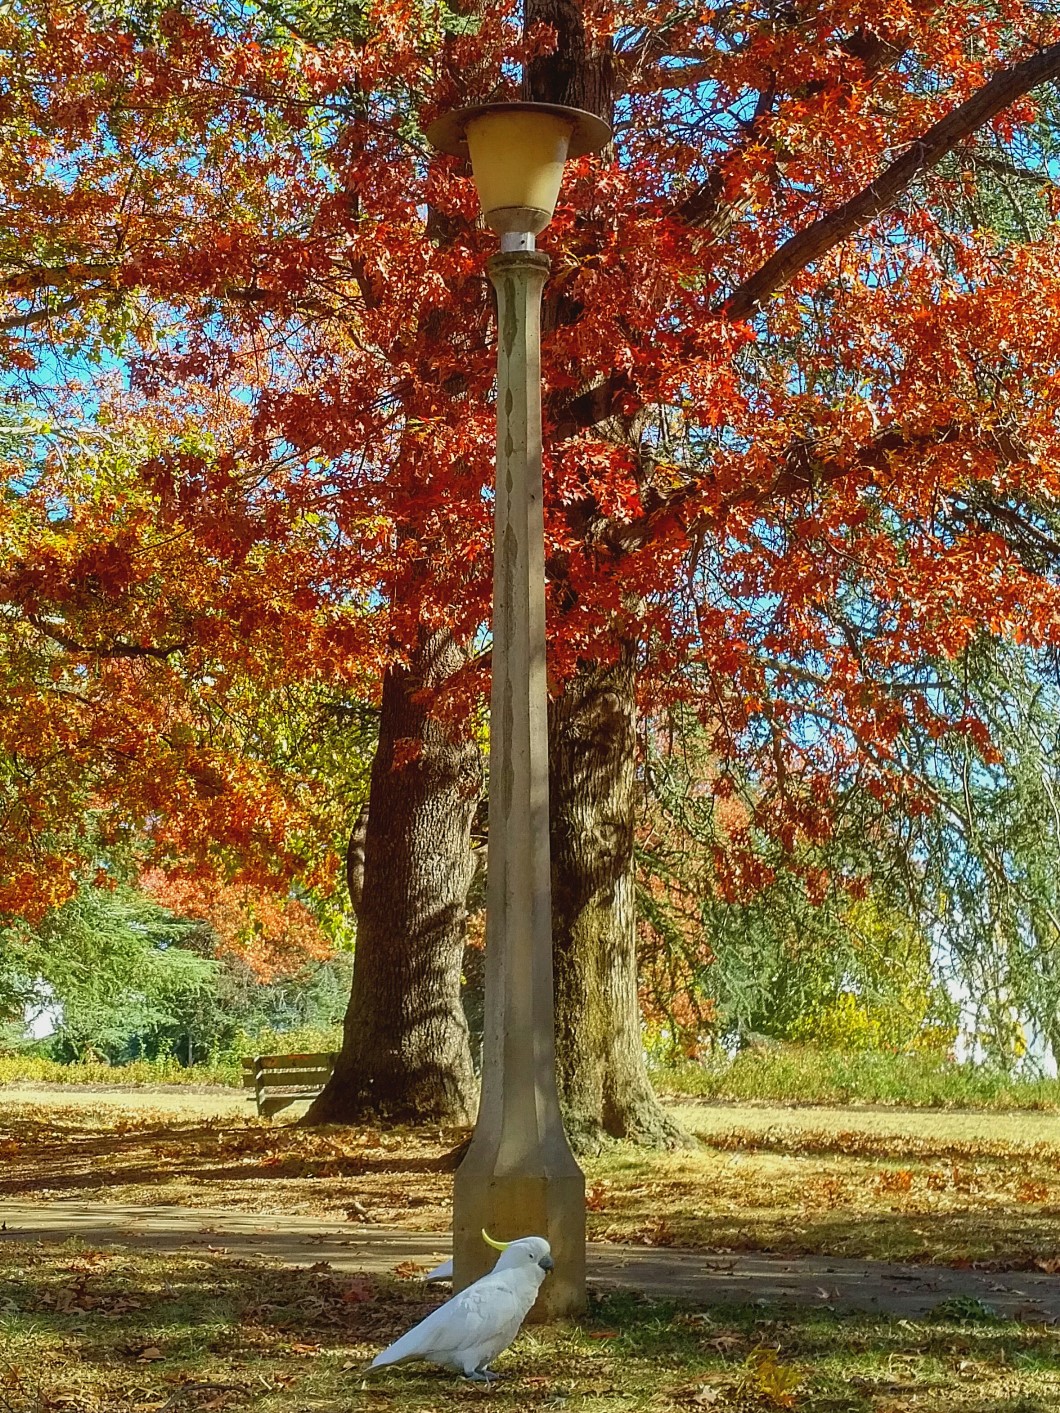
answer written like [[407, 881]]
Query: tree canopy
[[802, 377]]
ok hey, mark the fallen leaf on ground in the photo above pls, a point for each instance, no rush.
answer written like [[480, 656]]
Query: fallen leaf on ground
[[769, 1377], [409, 1270], [705, 1396]]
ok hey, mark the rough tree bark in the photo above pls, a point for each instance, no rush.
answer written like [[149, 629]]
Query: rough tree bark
[[355, 859], [405, 1055], [578, 72], [405, 1052], [603, 1077]]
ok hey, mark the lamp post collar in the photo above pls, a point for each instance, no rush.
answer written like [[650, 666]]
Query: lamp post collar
[[512, 241]]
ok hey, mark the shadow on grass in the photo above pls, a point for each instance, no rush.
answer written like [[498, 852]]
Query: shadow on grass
[[122, 1329], [986, 1240], [841, 1206], [72, 1158], [886, 1146]]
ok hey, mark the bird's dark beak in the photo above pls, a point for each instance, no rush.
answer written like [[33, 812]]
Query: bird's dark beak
[[546, 1263]]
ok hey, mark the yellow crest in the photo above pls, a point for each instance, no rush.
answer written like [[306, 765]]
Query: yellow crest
[[497, 1245]]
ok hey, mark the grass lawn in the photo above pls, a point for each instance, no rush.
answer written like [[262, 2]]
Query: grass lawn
[[901, 1186], [96, 1331], [943, 1187], [798, 1074]]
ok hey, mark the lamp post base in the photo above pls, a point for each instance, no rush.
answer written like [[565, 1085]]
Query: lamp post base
[[509, 1205]]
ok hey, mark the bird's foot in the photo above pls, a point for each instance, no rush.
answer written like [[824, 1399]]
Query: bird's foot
[[483, 1376]]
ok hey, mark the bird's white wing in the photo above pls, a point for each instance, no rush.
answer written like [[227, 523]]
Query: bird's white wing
[[476, 1318], [444, 1272]]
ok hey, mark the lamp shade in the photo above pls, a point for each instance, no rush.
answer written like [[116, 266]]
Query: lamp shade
[[517, 152]]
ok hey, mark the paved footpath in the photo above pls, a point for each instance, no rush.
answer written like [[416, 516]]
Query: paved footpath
[[661, 1272]]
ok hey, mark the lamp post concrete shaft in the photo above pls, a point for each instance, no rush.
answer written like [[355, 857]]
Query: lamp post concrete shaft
[[519, 1177]]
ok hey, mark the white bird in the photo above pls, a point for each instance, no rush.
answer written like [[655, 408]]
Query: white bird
[[471, 1329], [444, 1272]]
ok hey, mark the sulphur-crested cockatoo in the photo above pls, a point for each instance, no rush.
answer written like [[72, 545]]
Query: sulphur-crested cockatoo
[[470, 1330]]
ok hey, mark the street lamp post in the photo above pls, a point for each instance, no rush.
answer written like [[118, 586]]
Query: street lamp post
[[519, 1177]]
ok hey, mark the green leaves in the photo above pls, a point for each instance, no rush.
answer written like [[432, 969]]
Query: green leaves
[[111, 965]]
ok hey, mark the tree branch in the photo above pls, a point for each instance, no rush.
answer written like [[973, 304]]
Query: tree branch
[[1009, 169], [590, 408], [829, 231], [42, 315], [31, 278], [111, 650], [704, 207], [803, 467]]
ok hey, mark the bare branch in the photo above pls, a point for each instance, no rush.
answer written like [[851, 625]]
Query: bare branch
[[32, 317], [1002, 168]]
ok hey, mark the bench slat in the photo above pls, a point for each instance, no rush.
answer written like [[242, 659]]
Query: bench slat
[[287, 1078], [273, 1077], [290, 1069], [276, 1079]]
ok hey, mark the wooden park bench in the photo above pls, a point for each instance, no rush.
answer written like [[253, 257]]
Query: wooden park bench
[[279, 1080]]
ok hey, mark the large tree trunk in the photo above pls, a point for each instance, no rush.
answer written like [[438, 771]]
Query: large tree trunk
[[603, 1080], [405, 1054]]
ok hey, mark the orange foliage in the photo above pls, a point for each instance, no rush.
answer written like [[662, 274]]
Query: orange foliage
[[274, 936], [813, 410]]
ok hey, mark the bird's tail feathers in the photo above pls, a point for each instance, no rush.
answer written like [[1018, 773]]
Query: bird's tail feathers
[[380, 1362]]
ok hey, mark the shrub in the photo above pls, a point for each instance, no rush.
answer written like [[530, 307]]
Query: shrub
[[24, 1066]]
